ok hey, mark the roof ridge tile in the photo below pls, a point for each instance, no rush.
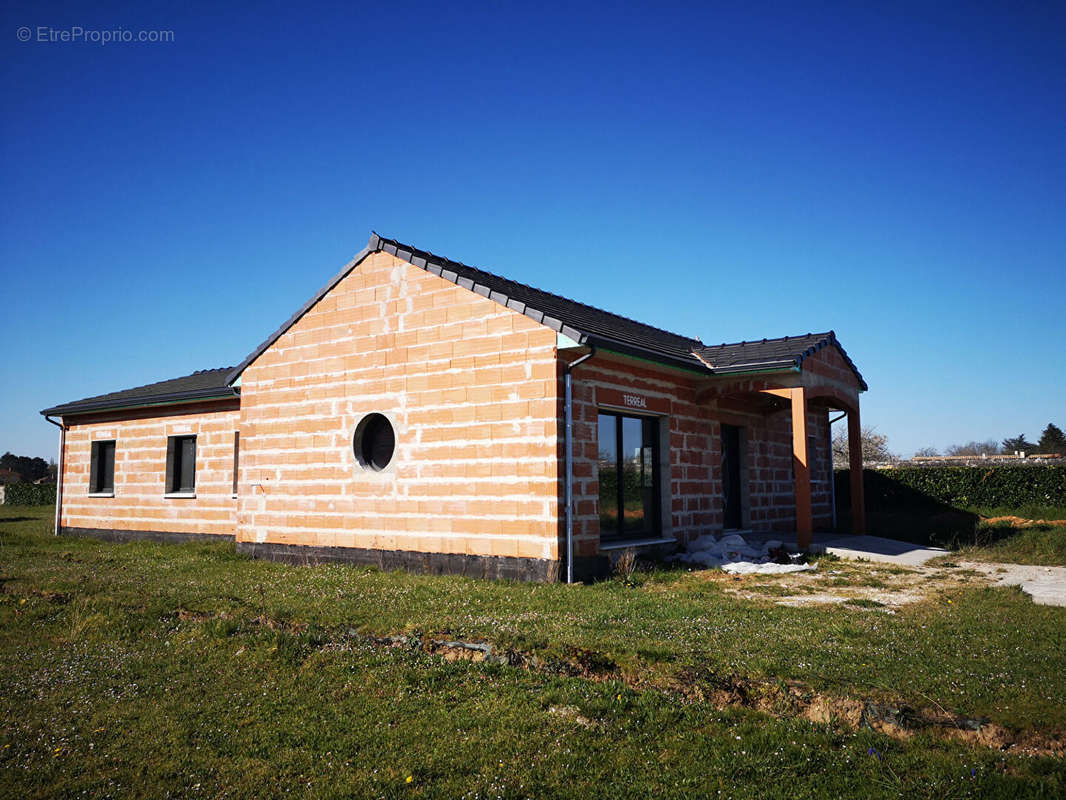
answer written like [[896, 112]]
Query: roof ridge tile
[[444, 261]]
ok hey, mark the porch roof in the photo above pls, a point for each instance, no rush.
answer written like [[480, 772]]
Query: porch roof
[[770, 354]]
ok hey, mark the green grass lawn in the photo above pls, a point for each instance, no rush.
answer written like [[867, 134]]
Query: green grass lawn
[[1032, 544], [971, 528], [185, 670]]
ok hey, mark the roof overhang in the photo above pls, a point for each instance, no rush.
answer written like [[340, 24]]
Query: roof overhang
[[180, 398], [448, 270]]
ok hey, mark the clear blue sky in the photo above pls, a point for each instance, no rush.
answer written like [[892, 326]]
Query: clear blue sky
[[897, 174]]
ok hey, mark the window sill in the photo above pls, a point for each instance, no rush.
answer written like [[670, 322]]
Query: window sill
[[178, 495], [101, 494]]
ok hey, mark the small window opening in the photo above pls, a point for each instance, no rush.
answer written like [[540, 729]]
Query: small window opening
[[374, 442], [102, 470], [181, 464]]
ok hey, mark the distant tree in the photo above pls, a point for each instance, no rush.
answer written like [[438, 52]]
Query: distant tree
[[926, 452], [989, 448], [27, 468], [874, 447], [1017, 443], [1052, 440]]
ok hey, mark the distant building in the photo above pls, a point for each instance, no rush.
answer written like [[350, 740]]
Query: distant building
[[414, 413]]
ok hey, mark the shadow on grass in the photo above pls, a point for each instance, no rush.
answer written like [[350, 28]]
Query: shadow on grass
[[897, 511]]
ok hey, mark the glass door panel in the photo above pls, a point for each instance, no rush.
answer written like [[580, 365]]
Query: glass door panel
[[629, 476], [608, 475]]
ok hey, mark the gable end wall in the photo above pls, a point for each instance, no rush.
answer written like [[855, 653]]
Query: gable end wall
[[470, 389]]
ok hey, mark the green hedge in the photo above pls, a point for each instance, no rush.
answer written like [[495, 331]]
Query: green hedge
[[961, 487], [30, 494]]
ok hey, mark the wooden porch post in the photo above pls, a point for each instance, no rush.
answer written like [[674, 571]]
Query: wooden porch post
[[858, 499], [802, 468]]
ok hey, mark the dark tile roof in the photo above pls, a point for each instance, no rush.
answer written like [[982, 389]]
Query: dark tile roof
[[769, 354], [579, 321], [589, 325], [583, 323], [202, 385]]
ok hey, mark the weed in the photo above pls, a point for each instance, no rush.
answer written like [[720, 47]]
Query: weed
[[626, 566]]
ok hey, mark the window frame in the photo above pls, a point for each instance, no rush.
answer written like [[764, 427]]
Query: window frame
[[175, 466], [96, 489], [620, 534]]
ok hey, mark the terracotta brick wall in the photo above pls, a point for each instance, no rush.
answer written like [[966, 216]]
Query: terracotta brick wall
[[474, 393], [470, 388], [828, 367], [140, 472], [773, 500], [695, 501], [695, 488], [821, 468]]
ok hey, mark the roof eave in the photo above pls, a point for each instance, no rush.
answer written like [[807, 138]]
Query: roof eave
[[764, 366], [633, 351], [176, 398]]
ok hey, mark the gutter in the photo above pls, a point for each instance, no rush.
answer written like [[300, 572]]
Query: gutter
[[569, 415], [643, 354], [59, 470]]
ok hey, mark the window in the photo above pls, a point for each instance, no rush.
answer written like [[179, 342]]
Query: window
[[629, 476], [181, 465], [236, 458], [102, 468], [374, 442]]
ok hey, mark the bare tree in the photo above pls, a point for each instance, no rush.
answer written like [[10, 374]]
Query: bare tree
[[988, 448], [926, 452], [874, 447]]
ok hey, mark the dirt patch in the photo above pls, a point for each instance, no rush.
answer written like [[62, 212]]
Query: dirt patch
[[891, 718], [474, 652], [862, 586], [574, 714], [780, 699], [1021, 522], [56, 598]]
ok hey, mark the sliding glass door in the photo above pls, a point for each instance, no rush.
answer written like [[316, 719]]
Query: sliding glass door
[[629, 476]]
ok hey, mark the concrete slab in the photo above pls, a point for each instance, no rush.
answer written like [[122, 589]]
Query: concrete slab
[[1046, 585], [871, 548], [877, 548]]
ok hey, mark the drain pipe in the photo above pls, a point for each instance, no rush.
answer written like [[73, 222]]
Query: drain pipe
[[59, 469], [569, 411]]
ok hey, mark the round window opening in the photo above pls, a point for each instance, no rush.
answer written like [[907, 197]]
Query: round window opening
[[374, 442]]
